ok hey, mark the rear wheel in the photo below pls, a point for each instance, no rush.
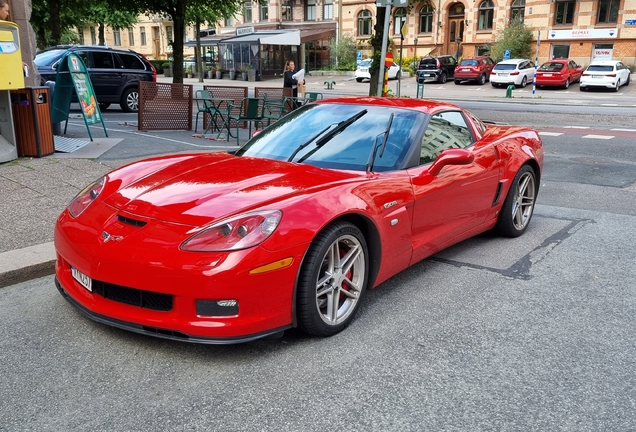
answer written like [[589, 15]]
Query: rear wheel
[[332, 280], [524, 82], [103, 106], [458, 82], [482, 79], [398, 75], [618, 84], [494, 85], [581, 88], [567, 83], [359, 79], [130, 100], [443, 78], [628, 79], [517, 209]]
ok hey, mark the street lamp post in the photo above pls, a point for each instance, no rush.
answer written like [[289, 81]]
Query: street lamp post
[[415, 51]]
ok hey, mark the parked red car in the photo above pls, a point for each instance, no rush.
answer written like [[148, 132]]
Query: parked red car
[[558, 72], [476, 69]]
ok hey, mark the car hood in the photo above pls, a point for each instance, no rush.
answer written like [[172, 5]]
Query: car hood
[[198, 190]]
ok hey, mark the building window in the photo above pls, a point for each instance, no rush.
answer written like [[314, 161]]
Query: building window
[[142, 33], [364, 23], [310, 10], [264, 10], [116, 37], [486, 12], [247, 12], [517, 10], [564, 12], [426, 19], [560, 51], [286, 10], [228, 22], [93, 36], [131, 36], [327, 12], [399, 19], [607, 11], [169, 34]]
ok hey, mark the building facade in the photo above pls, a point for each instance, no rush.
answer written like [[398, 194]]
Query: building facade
[[578, 29]]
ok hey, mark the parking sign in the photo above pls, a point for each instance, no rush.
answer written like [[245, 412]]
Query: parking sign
[[506, 55]]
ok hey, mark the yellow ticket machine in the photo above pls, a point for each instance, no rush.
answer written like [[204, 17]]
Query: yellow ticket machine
[[11, 72], [11, 78]]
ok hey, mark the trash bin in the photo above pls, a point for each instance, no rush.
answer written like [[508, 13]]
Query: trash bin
[[32, 121], [251, 75]]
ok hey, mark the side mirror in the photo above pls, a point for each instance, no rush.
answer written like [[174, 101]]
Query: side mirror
[[451, 157]]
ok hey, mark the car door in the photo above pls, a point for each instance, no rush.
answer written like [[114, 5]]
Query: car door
[[106, 77], [623, 72], [575, 71], [458, 198]]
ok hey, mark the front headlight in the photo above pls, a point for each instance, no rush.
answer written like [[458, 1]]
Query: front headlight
[[83, 199], [239, 232]]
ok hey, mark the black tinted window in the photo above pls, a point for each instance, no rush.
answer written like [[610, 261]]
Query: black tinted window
[[103, 60], [131, 61]]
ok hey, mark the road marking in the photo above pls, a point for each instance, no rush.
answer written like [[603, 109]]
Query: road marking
[[609, 104], [576, 127], [550, 133], [598, 136], [624, 130]]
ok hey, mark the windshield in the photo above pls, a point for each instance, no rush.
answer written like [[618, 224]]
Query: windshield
[[348, 150], [47, 58]]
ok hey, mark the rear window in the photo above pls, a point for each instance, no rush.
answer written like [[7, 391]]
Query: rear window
[[365, 63], [470, 63], [131, 61], [506, 66], [428, 63], [551, 66], [599, 68]]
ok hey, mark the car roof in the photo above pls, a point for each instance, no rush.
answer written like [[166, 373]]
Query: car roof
[[89, 47], [558, 61], [604, 62], [422, 105], [513, 61]]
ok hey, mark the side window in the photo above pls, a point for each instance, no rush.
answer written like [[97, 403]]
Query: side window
[[103, 60], [445, 130], [83, 55], [130, 61]]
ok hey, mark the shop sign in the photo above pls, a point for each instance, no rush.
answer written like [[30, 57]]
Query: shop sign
[[583, 34]]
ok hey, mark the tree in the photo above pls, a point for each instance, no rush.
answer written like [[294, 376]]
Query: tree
[[53, 21], [376, 42], [102, 14], [343, 52], [516, 37]]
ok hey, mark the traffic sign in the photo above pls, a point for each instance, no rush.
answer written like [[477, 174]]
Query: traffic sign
[[403, 30], [630, 22], [506, 55]]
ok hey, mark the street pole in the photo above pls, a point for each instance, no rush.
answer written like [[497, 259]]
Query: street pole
[[536, 64], [402, 34], [385, 39]]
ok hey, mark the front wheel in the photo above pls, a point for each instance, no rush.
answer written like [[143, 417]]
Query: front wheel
[[103, 106], [332, 279], [519, 204], [130, 100]]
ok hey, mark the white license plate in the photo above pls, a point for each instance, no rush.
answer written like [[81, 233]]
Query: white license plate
[[364, 70], [597, 76], [503, 74], [429, 75], [547, 74], [84, 280], [465, 70]]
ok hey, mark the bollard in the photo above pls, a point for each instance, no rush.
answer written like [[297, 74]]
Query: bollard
[[509, 90], [330, 84]]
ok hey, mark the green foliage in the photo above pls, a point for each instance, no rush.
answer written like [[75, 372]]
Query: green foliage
[[516, 37], [344, 50]]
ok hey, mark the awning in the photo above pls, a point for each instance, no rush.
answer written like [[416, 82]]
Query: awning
[[316, 34], [267, 37], [206, 41]]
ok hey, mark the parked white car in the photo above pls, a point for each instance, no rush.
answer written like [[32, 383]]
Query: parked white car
[[514, 71], [362, 71], [605, 73]]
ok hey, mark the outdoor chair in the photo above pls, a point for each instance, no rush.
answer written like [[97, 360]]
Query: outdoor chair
[[199, 97], [251, 111], [313, 96], [273, 109]]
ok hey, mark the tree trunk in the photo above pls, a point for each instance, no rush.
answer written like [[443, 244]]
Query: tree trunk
[[197, 54], [376, 43], [178, 19], [102, 34], [54, 14]]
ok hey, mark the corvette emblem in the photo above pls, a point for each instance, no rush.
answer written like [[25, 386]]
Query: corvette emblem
[[107, 237]]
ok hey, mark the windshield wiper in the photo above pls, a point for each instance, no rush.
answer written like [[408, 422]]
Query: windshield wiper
[[325, 139], [309, 141], [383, 145]]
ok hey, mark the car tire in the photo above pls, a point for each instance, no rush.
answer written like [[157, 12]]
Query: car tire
[[457, 82], [494, 85], [628, 79], [618, 85], [482, 79], [581, 88], [567, 84], [359, 79], [130, 100], [103, 106], [443, 78], [398, 75], [524, 82], [518, 207], [328, 297]]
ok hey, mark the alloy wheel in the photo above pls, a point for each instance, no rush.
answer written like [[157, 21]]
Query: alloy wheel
[[524, 198]]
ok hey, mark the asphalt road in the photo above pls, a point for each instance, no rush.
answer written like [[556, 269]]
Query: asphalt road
[[534, 333]]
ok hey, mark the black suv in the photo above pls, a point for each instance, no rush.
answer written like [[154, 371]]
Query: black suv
[[115, 73], [439, 68]]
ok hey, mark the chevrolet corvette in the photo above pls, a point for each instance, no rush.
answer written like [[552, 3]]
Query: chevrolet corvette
[[292, 228]]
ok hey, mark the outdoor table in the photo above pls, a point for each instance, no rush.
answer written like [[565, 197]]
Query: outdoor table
[[214, 107]]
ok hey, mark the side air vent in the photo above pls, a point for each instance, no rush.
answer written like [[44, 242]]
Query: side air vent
[[498, 193], [129, 221]]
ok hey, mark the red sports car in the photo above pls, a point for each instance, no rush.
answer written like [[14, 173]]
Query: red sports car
[[290, 231], [559, 73]]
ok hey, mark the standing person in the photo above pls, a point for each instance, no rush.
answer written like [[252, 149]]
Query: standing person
[[4, 16], [288, 79]]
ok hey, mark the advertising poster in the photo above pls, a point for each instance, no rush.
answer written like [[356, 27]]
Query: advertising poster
[[84, 90]]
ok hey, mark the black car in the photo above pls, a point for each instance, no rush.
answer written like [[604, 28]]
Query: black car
[[439, 68], [115, 73]]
